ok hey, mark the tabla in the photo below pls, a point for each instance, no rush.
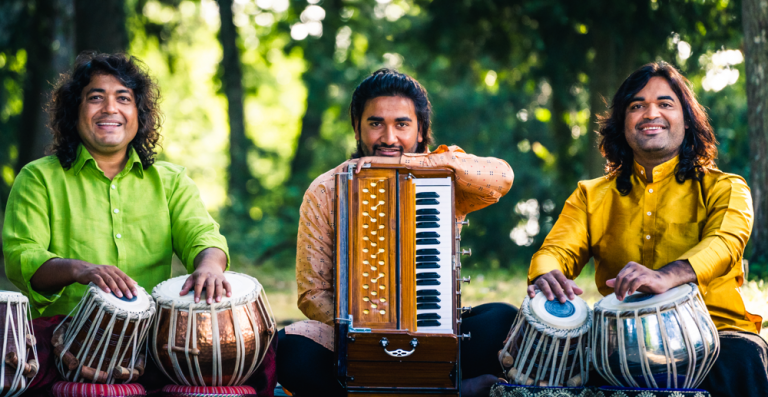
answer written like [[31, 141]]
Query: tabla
[[104, 341], [655, 341], [19, 365], [548, 344], [220, 344]]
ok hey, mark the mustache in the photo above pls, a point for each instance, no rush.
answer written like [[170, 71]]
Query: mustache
[[385, 146], [654, 121]]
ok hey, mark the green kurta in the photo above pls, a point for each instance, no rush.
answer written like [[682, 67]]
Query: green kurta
[[136, 221]]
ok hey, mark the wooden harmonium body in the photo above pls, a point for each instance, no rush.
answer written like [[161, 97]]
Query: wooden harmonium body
[[398, 296]]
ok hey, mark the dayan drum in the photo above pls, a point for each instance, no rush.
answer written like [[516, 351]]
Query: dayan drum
[[19, 365], [104, 341], [548, 344], [220, 344], [655, 341]]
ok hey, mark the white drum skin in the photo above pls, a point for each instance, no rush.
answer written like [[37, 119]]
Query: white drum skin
[[655, 341]]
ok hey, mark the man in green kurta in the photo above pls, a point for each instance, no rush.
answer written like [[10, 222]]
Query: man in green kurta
[[101, 209]]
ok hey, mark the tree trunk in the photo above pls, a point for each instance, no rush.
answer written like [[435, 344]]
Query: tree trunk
[[321, 72], [100, 25], [602, 85], [232, 81], [33, 135], [755, 20]]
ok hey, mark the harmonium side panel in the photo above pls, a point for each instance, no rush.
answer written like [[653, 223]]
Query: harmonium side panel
[[407, 253], [373, 249]]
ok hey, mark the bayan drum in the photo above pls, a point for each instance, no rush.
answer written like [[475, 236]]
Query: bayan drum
[[221, 344], [548, 344], [19, 365], [104, 341], [655, 341]]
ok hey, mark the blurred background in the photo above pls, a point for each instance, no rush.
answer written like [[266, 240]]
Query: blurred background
[[256, 94]]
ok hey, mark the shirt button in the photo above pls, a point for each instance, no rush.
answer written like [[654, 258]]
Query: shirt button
[[114, 187], [642, 172], [118, 235], [117, 210], [649, 213], [647, 237], [650, 190]]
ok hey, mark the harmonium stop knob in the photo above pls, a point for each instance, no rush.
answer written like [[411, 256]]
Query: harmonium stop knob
[[467, 252]]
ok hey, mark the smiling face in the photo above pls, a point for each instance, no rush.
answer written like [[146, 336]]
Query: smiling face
[[389, 127], [108, 118], [654, 124]]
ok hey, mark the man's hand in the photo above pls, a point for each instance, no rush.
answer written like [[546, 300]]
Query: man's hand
[[636, 277], [108, 278], [374, 160], [209, 274], [58, 273], [555, 285]]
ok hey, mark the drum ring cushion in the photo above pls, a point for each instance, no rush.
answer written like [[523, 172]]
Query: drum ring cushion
[[208, 391], [76, 389]]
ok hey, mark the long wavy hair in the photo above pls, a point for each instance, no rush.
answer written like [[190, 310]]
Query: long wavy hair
[[64, 106], [698, 151], [387, 82]]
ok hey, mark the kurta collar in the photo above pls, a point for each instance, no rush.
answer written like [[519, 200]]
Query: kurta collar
[[84, 156], [660, 172]]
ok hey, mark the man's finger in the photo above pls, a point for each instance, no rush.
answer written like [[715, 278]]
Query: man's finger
[[123, 287], [188, 284], [219, 290], [565, 285], [210, 289], [544, 287], [531, 291], [611, 282], [99, 281], [576, 289], [199, 284], [227, 287], [635, 284], [554, 285]]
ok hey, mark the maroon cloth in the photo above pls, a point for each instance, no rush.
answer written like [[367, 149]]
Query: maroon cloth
[[263, 380]]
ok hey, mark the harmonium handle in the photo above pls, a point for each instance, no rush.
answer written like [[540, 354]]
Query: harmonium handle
[[467, 252], [399, 352], [464, 222], [466, 279]]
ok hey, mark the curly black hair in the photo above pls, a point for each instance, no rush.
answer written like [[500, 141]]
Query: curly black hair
[[67, 97], [388, 82], [698, 151]]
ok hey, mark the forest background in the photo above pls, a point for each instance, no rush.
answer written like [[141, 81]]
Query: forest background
[[256, 94]]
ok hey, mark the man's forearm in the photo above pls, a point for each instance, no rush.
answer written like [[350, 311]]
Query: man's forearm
[[679, 272], [56, 274], [211, 256]]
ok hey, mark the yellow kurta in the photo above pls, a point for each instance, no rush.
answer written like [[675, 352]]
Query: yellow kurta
[[708, 223]]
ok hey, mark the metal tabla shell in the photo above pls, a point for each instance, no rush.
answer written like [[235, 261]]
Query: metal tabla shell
[[662, 341], [16, 325]]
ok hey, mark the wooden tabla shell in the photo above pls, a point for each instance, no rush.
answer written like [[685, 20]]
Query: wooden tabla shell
[[655, 341], [548, 344], [19, 342], [105, 337], [221, 344]]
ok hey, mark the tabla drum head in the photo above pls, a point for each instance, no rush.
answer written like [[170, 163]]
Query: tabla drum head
[[242, 285], [138, 304], [640, 300], [569, 315], [11, 296]]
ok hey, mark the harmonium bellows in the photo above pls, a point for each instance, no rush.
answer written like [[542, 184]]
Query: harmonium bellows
[[398, 297]]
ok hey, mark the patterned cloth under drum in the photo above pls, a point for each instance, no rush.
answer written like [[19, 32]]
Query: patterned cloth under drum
[[104, 340], [221, 344], [18, 341], [549, 343], [73, 389], [208, 391], [656, 341], [507, 390]]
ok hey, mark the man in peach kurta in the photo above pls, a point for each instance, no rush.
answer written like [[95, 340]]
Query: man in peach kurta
[[390, 114]]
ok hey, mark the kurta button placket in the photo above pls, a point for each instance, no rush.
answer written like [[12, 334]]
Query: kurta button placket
[[649, 224], [117, 221]]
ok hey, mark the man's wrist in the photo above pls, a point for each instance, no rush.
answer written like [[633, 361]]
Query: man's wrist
[[679, 272]]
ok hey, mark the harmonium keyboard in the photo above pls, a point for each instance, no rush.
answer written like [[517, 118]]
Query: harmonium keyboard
[[398, 282]]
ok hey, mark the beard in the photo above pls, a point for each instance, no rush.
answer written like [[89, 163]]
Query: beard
[[378, 146]]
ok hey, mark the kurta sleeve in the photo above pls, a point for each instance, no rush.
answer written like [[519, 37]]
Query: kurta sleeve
[[192, 228], [726, 230], [314, 254], [27, 236], [566, 247], [480, 181]]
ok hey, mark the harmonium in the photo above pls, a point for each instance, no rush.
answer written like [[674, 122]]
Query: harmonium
[[398, 282]]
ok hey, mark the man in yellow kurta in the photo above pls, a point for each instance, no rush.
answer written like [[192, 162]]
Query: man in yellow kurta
[[664, 215]]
